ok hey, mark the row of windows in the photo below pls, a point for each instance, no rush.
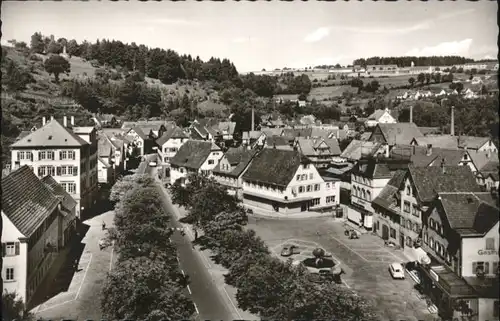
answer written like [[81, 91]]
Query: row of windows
[[172, 149], [330, 199], [265, 187], [314, 202], [414, 209], [303, 177], [435, 226], [361, 179], [46, 155], [485, 267], [307, 188], [70, 187], [59, 171], [361, 193], [410, 225]]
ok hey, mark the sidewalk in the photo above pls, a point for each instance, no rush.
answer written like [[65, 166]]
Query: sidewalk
[[216, 271]]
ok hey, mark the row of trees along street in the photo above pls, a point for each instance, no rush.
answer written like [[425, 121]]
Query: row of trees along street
[[146, 283], [265, 285]]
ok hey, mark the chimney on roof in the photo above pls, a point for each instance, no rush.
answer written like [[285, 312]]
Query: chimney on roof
[[253, 120], [411, 114], [72, 120], [44, 120], [65, 121], [429, 150], [452, 125]]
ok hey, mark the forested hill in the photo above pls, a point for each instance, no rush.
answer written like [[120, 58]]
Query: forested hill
[[166, 65], [418, 61]]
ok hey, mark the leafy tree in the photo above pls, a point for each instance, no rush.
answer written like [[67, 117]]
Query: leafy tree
[[37, 45], [13, 308], [421, 78], [15, 78], [57, 65], [140, 289], [54, 48], [473, 71], [357, 83], [411, 81], [127, 183], [233, 243], [437, 78], [460, 70], [427, 78]]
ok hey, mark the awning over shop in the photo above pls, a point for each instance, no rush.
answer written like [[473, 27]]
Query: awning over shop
[[449, 282]]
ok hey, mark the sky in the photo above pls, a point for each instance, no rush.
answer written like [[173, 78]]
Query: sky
[[267, 35]]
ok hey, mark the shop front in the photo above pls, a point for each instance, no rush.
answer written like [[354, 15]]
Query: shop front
[[358, 214], [451, 294]]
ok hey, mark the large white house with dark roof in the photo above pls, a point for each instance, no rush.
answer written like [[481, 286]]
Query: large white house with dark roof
[[68, 155], [34, 217], [194, 156], [285, 182], [169, 144]]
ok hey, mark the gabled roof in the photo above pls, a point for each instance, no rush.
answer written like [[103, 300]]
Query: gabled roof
[[386, 196], [67, 201], [227, 127], [52, 134], [26, 201], [399, 133], [139, 132], [272, 131], [441, 141], [357, 148], [254, 134], [466, 211], [200, 130], [23, 134], [472, 142], [420, 157], [372, 169], [104, 162], [240, 158], [193, 153], [104, 147], [320, 132], [481, 159], [274, 166], [431, 180], [377, 114], [175, 132], [309, 146]]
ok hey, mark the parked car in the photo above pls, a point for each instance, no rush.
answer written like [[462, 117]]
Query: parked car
[[289, 250], [397, 271], [153, 164]]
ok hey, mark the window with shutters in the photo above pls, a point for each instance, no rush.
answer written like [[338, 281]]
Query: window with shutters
[[309, 188], [20, 155], [9, 274], [50, 155], [301, 189], [71, 155], [480, 267], [42, 171], [406, 207], [316, 187], [490, 243], [42, 155], [51, 170], [11, 248], [63, 154]]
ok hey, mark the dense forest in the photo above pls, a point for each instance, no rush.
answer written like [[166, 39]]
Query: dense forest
[[418, 61]]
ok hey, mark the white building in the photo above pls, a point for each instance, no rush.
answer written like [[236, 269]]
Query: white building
[[32, 232], [285, 181], [169, 144], [380, 116], [68, 155], [194, 156], [368, 178], [460, 235]]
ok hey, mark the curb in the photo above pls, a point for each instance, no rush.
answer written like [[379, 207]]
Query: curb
[[282, 217]]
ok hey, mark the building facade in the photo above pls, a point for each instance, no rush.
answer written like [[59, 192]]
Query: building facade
[[68, 155]]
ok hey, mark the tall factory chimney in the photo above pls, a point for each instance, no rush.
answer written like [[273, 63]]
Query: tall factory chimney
[[253, 120], [452, 125], [411, 114]]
